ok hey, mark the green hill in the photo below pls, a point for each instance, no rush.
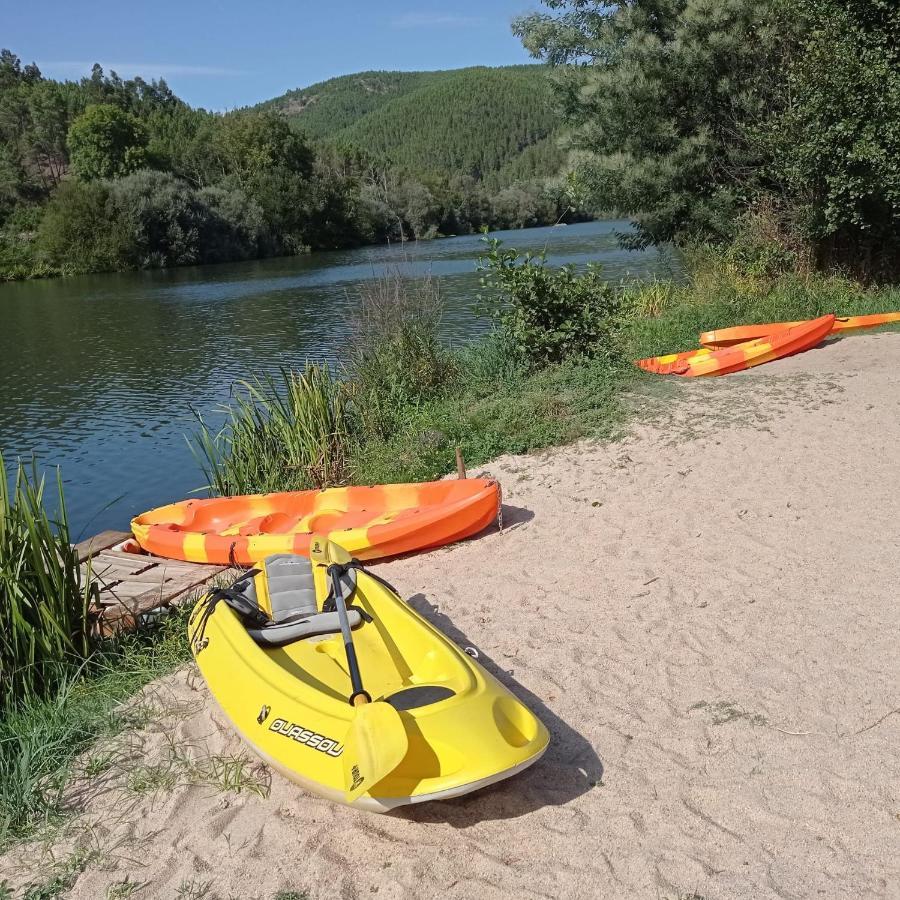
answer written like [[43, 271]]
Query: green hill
[[496, 125]]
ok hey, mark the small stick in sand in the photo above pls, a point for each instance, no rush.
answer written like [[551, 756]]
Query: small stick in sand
[[460, 465]]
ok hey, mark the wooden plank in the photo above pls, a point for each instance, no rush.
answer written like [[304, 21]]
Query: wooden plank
[[122, 556], [103, 568], [127, 590], [127, 615], [194, 575], [154, 575], [129, 585], [102, 541]]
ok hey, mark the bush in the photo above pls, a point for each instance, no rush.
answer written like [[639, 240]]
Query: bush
[[148, 220], [78, 231], [160, 217], [234, 227], [43, 600], [549, 314]]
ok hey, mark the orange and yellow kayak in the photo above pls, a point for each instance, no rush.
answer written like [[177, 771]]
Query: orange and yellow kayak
[[369, 522], [728, 337], [786, 342]]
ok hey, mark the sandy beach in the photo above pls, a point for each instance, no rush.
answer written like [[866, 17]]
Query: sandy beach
[[704, 614]]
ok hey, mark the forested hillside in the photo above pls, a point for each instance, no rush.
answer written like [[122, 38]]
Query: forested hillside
[[496, 126], [105, 174]]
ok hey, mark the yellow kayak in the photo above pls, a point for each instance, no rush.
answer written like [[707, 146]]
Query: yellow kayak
[[432, 723]]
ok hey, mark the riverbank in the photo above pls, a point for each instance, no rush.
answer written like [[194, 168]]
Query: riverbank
[[708, 643]]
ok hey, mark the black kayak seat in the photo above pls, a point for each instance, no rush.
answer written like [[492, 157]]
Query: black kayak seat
[[292, 597]]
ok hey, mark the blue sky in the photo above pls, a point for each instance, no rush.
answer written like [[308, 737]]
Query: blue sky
[[232, 53]]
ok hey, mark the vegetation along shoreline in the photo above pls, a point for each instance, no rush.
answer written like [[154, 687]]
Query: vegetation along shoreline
[[106, 174]]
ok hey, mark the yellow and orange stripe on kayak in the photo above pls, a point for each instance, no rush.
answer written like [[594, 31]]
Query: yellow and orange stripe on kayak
[[728, 337], [369, 522], [671, 362], [697, 363]]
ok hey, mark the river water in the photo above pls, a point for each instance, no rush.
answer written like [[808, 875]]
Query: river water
[[99, 374]]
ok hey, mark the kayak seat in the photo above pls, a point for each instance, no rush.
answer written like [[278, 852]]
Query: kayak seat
[[292, 602]]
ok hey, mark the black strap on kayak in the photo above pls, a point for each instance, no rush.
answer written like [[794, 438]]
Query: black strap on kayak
[[356, 564], [250, 613], [342, 568]]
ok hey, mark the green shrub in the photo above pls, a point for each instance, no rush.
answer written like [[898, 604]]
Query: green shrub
[[146, 220], [279, 437], [43, 598], [78, 232], [160, 217], [234, 226], [549, 314]]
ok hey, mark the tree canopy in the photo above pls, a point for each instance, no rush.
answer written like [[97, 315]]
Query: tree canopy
[[176, 185], [106, 142], [693, 114]]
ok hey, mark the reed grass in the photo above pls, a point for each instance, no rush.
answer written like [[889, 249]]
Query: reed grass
[[282, 434], [396, 356], [43, 597]]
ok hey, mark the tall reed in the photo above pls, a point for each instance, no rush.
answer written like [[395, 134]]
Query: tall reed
[[396, 360], [44, 627], [279, 435]]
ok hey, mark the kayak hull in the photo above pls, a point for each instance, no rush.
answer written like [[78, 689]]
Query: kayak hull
[[290, 703], [728, 337], [379, 804], [370, 522], [700, 363]]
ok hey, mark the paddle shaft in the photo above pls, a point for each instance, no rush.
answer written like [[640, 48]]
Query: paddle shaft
[[359, 694]]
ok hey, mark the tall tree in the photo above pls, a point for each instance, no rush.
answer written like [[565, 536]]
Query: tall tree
[[107, 142], [660, 94], [835, 146]]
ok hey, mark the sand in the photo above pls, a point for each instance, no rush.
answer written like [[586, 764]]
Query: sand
[[705, 616]]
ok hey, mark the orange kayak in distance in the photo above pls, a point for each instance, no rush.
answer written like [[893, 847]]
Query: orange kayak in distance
[[697, 363], [728, 337], [369, 522]]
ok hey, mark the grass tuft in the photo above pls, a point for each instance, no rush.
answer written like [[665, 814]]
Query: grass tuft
[[278, 436]]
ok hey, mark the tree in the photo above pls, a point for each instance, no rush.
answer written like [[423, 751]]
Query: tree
[[107, 142], [49, 114], [250, 144], [161, 217], [835, 147], [660, 96], [234, 226]]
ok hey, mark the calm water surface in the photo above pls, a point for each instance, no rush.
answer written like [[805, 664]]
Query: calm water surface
[[100, 374]]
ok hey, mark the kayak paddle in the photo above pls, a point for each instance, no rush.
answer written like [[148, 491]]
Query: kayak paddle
[[377, 740]]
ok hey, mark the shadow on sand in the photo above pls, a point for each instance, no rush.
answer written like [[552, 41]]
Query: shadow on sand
[[514, 516], [568, 769]]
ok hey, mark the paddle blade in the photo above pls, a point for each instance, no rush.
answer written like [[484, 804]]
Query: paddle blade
[[373, 748]]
